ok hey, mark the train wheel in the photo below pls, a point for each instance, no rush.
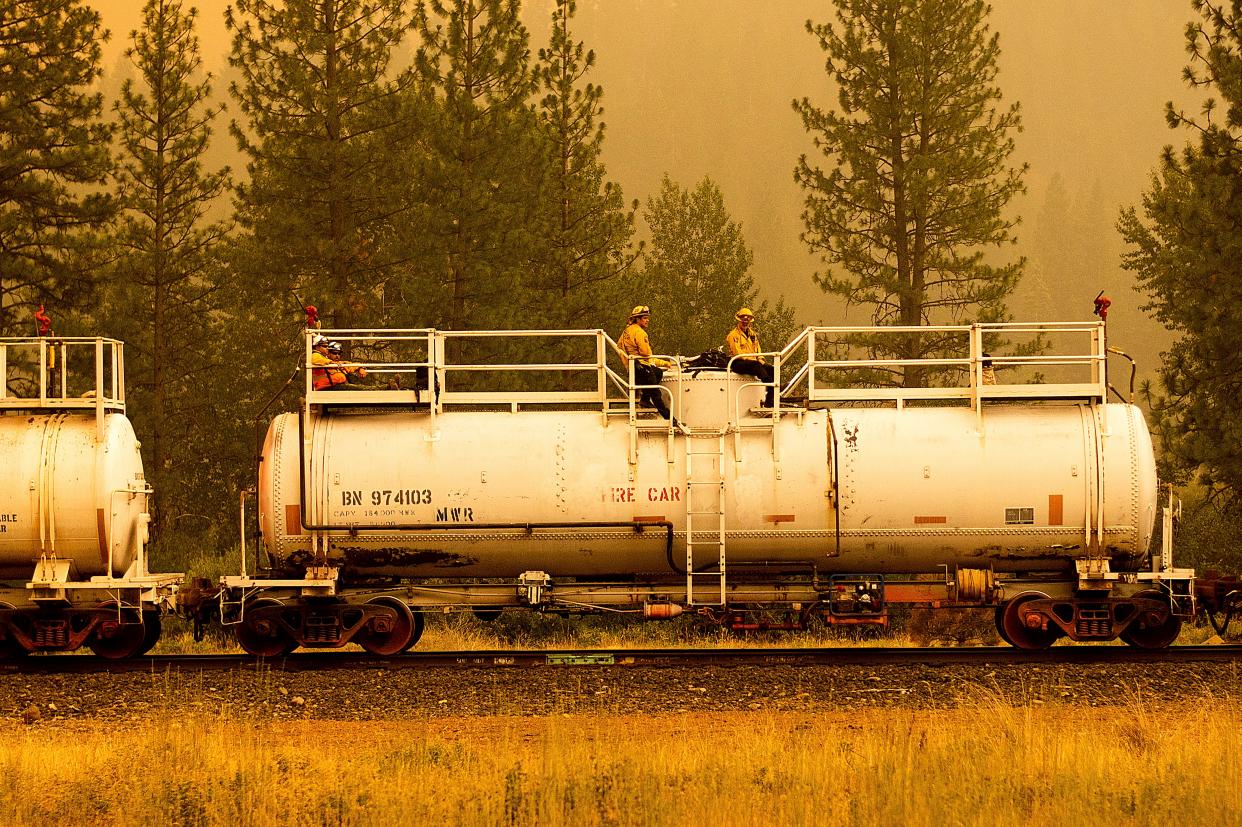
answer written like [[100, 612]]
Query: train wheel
[[117, 641], [263, 637], [10, 648], [1157, 634], [150, 620], [1013, 629], [1000, 626], [404, 633]]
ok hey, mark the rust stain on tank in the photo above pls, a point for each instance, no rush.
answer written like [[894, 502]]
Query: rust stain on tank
[[104, 539], [400, 556]]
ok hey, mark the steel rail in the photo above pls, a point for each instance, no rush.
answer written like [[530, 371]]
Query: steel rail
[[310, 661]]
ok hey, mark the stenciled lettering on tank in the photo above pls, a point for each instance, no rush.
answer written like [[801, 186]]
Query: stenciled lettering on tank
[[5, 519], [383, 505], [455, 514], [636, 494], [619, 494]]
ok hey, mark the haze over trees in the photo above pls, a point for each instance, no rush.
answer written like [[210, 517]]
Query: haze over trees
[[1186, 250], [320, 120], [916, 175], [581, 280], [426, 164], [481, 161], [163, 298], [53, 158], [697, 272]]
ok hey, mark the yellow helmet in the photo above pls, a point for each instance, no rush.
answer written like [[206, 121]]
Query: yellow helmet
[[639, 310], [744, 313]]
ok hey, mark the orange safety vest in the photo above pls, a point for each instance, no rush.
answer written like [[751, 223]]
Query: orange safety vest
[[325, 375]]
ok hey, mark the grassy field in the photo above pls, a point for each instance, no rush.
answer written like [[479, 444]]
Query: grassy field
[[997, 762]]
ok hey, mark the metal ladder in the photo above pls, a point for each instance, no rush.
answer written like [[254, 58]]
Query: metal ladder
[[705, 502]]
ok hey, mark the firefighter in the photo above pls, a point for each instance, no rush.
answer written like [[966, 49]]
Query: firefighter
[[326, 372], [743, 342], [647, 370], [352, 372]]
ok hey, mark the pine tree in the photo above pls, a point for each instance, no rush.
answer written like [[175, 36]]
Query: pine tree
[[697, 273], [165, 293], [918, 176], [324, 126], [1186, 250], [53, 151], [581, 282], [480, 164]]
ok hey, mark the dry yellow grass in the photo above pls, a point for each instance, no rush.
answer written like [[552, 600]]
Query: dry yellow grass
[[995, 763]]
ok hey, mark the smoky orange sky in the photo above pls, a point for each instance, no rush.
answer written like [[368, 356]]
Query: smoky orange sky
[[704, 87]]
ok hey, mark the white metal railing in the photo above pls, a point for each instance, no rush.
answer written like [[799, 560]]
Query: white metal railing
[[1085, 360], [63, 373], [402, 349], [452, 366], [437, 361]]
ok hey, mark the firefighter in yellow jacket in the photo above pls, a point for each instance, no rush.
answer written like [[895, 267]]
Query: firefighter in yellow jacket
[[635, 343], [743, 342], [328, 372]]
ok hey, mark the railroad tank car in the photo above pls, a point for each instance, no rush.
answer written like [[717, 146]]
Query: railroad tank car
[[74, 505], [60, 492], [1038, 500], [849, 490]]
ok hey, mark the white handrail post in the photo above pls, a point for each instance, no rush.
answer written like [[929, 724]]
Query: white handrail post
[[436, 351], [1099, 363], [976, 364], [42, 372], [601, 357], [64, 371], [119, 347], [242, 525], [99, 400], [776, 386], [810, 366], [307, 370]]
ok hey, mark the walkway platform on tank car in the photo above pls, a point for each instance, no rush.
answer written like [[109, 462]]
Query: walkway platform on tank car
[[69, 374], [437, 370]]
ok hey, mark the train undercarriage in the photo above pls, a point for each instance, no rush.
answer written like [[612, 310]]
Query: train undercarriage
[[115, 618], [271, 617]]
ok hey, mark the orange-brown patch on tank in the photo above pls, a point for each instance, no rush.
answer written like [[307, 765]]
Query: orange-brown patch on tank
[[1056, 509], [778, 518], [293, 520], [102, 533], [930, 520]]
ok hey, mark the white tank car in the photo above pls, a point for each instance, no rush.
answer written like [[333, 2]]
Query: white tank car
[[852, 489], [441, 488], [74, 518], [66, 492]]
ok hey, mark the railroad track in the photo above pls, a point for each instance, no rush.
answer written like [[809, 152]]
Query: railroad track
[[621, 658]]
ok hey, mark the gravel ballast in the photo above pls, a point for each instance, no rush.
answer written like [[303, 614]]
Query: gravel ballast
[[260, 693]]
